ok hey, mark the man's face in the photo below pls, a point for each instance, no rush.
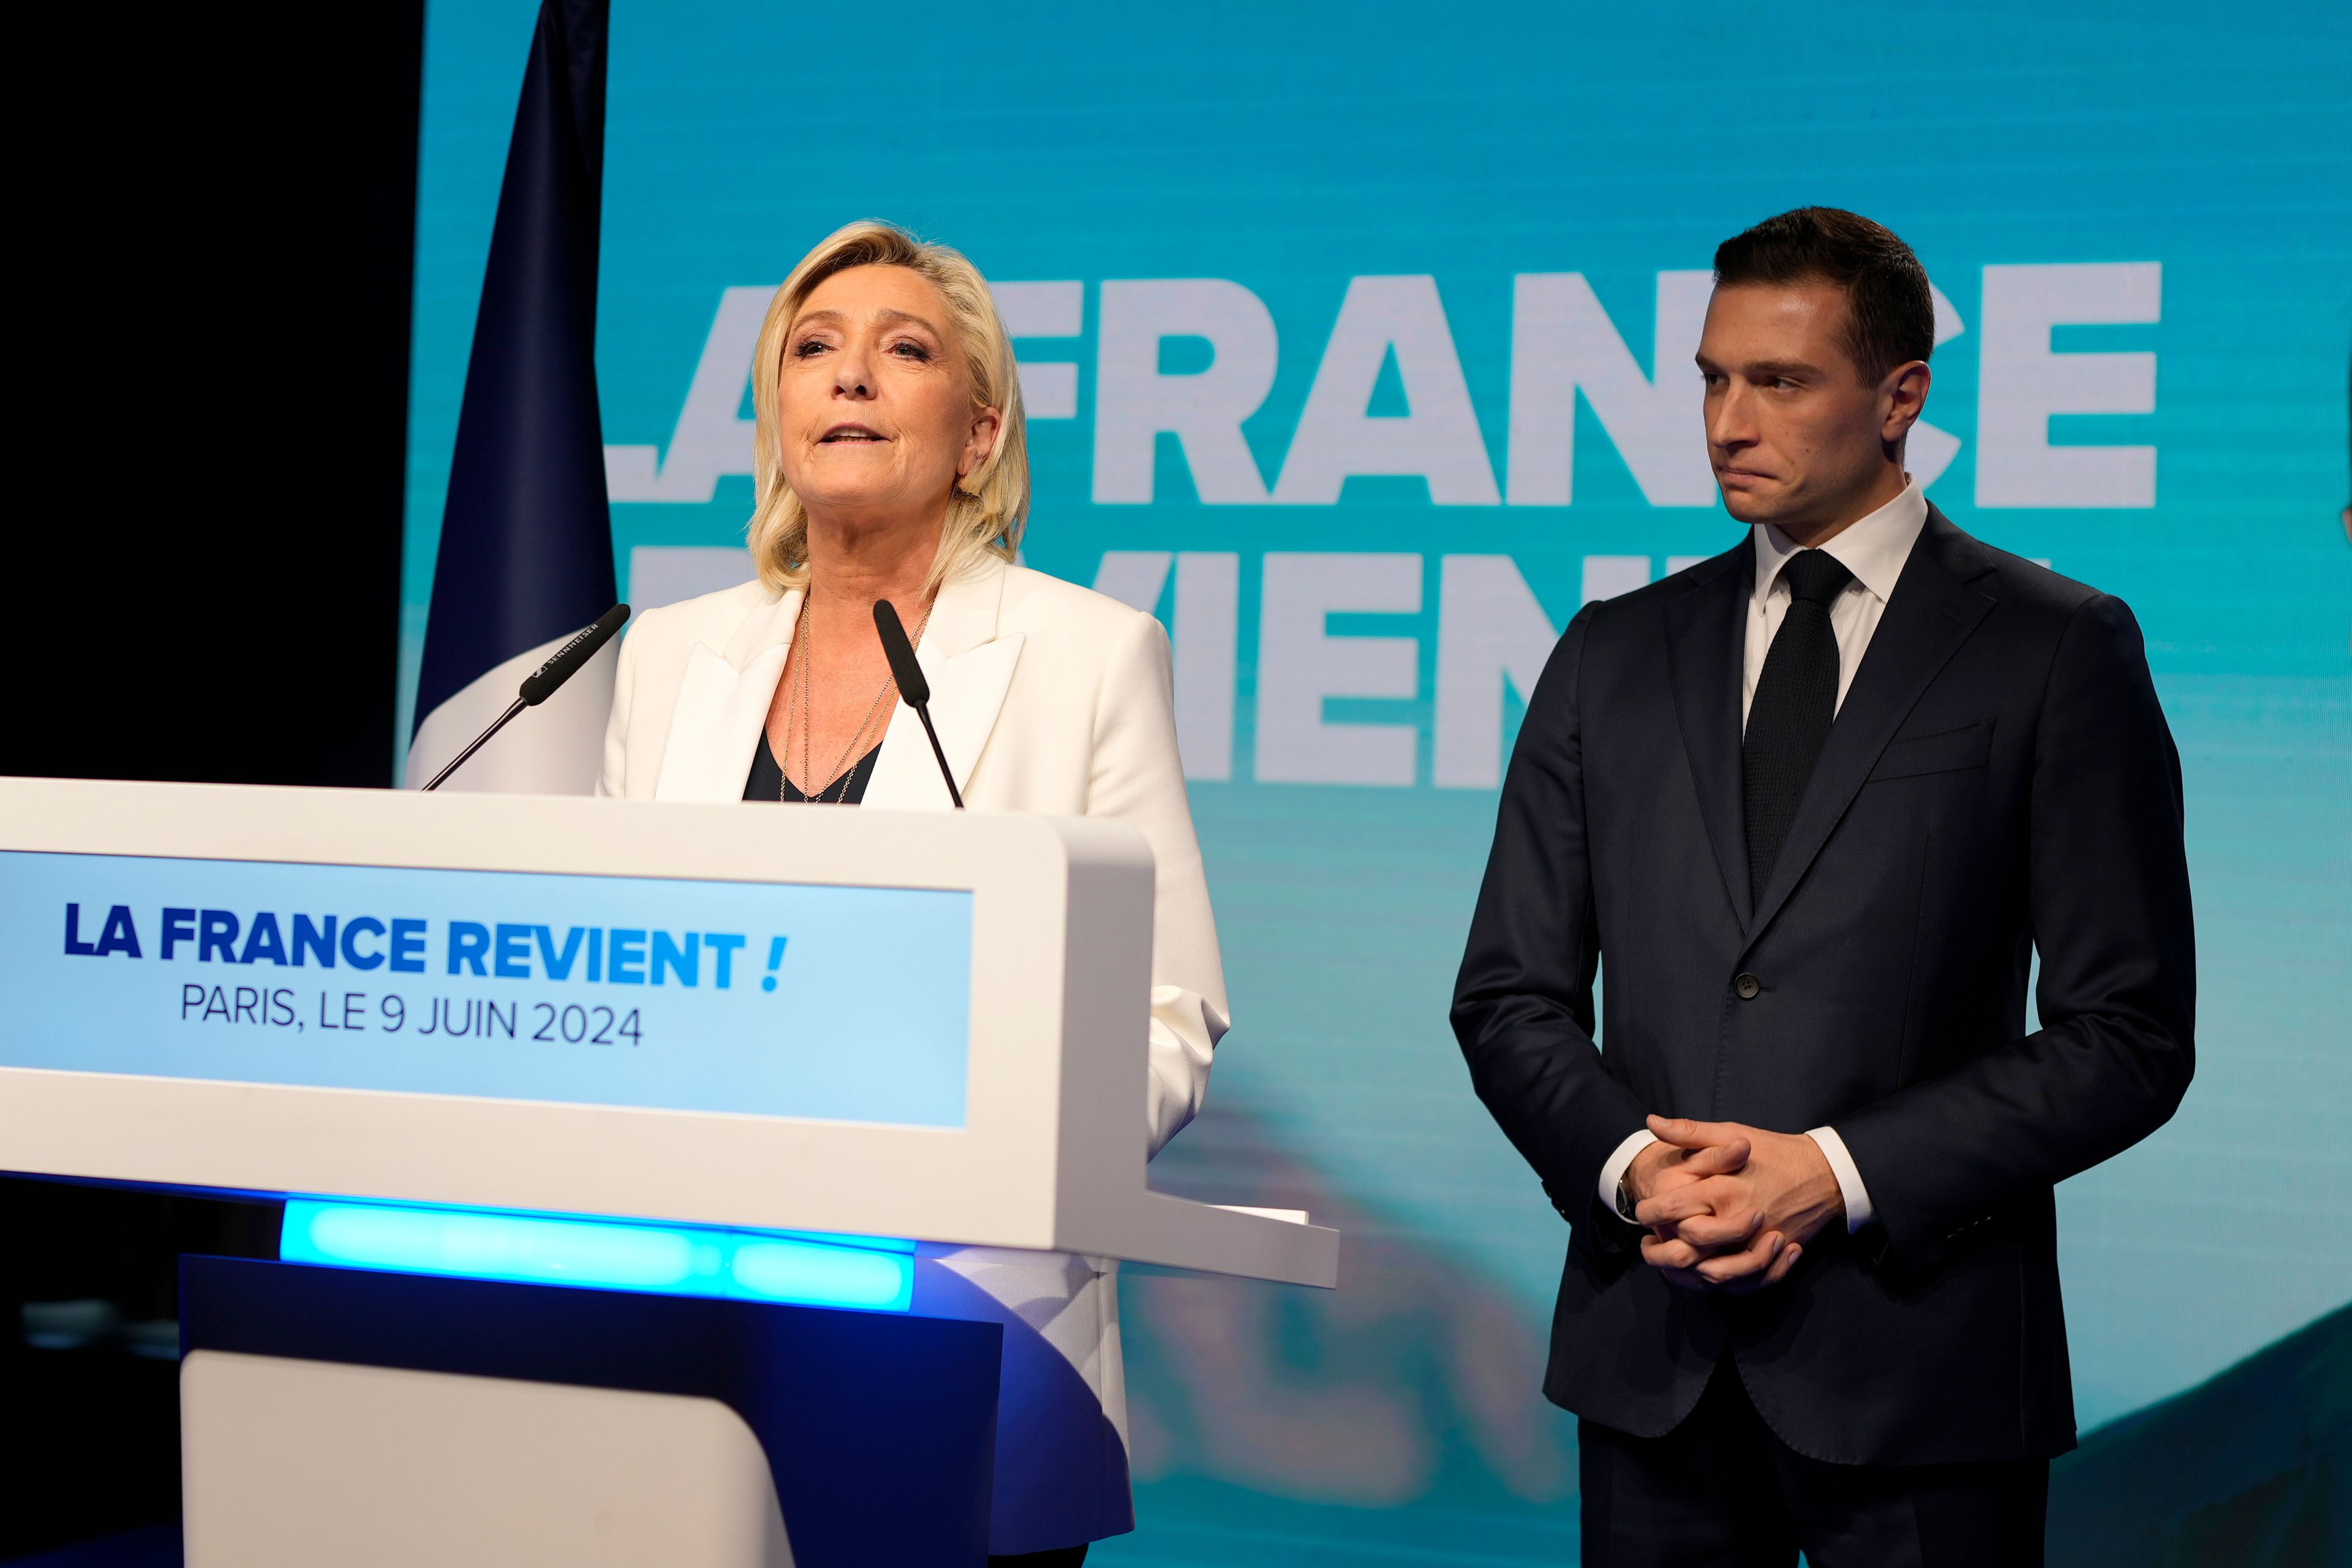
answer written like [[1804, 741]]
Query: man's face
[[1796, 435]]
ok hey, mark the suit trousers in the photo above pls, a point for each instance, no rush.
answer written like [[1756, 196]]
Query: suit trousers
[[1721, 1490]]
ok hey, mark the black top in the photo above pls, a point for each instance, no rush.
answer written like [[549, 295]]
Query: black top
[[768, 781]]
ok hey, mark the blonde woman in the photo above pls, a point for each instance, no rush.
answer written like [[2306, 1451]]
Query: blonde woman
[[890, 464]]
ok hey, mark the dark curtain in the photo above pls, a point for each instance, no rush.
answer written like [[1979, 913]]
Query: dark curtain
[[211, 239]]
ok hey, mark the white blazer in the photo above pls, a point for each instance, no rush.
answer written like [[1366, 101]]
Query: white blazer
[[1049, 698]]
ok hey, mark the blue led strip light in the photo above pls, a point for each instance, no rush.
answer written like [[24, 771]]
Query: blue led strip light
[[675, 1260]]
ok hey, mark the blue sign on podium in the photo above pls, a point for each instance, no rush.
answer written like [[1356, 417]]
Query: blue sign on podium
[[831, 1002]]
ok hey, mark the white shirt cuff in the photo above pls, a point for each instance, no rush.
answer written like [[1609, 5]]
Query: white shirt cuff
[[1614, 1171], [1858, 1211]]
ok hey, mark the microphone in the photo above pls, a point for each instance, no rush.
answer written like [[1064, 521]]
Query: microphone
[[912, 685], [541, 683]]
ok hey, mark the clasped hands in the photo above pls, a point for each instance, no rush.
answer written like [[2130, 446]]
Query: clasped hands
[[1728, 1207]]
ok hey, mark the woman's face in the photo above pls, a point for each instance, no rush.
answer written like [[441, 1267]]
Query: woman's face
[[874, 411]]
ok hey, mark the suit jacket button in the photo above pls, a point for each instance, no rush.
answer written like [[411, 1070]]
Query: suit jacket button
[[1748, 986]]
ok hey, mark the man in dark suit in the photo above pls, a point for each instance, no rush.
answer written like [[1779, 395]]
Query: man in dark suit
[[1816, 803]]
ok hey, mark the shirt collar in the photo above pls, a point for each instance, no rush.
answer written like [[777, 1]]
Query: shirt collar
[[1873, 549]]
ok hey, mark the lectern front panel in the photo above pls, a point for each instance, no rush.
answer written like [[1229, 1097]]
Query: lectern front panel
[[561, 1007], [843, 1003]]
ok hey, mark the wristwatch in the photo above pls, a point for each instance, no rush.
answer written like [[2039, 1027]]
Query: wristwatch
[[1626, 1199]]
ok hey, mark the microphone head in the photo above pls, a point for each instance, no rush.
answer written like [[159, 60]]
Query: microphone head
[[901, 655], [541, 685]]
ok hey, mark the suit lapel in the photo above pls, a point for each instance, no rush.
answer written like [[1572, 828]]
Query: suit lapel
[[723, 704], [970, 667], [1932, 612], [1705, 629]]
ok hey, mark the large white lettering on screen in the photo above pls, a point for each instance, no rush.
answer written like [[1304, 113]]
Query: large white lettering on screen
[[710, 439], [1049, 388], [1492, 633], [1135, 402], [1562, 342], [2022, 381], [1204, 624], [1490, 629], [1300, 664], [1563, 346], [1436, 439]]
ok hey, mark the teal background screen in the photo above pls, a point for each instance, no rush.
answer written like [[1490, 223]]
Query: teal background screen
[[1432, 269]]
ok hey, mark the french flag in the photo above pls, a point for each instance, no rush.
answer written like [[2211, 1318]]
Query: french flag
[[526, 552]]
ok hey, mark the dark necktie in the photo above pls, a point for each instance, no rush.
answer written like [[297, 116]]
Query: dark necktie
[[1796, 698]]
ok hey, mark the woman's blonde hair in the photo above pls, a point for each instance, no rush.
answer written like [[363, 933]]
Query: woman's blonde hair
[[991, 504]]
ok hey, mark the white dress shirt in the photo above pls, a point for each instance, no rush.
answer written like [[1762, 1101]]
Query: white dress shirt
[[1874, 549]]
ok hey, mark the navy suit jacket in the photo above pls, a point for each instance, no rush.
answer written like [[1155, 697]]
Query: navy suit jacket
[[1998, 779]]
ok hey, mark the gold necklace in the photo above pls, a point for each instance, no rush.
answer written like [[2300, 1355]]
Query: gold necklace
[[803, 657]]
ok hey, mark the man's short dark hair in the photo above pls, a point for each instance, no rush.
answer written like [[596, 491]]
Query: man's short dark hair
[[1891, 318]]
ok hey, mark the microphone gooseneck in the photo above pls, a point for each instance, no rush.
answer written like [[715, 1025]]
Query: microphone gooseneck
[[543, 682], [912, 687]]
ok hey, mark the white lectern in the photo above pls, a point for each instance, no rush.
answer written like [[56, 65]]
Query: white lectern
[[789, 1027]]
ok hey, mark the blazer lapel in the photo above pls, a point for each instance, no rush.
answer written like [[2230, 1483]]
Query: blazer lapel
[[723, 704], [970, 667], [1706, 632], [1933, 611]]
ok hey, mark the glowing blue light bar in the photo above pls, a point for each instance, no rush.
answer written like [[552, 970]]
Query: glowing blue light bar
[[537, 1249]]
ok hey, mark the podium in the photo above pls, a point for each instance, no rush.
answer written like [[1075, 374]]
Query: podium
[[730, 1064]]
